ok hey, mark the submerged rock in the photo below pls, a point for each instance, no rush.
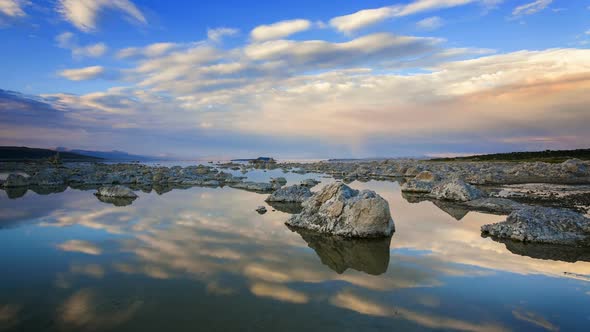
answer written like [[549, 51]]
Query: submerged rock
[[339, 254], [16, 180], [494, 205], [543, 225], [291, 194], [340, 210], [254, 186], [116, 191], [261, 210], [456, 190], [280, 181]]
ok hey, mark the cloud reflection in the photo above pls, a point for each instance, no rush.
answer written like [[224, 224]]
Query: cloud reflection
[[81, 247]]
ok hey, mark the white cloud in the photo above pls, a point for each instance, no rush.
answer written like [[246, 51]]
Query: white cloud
[[279, 30], [588, 32], [153, 50], [68, 41], [81, 74], [12, 8], [325, 54], [430, 23], [531, 8], [363, 18], [84, 14], [421, 6], [217, 34]]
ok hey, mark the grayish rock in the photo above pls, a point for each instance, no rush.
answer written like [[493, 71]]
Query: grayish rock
[[575, 167], [261, 210], [280, 180], [340, 210], [543, 225], [290, 194], [417, 186], [456, 190], [49, 177], [310, 183]]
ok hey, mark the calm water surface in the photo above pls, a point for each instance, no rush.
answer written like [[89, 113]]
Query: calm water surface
[[202, 259]]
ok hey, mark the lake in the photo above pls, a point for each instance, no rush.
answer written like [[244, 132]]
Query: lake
[[204, 259]]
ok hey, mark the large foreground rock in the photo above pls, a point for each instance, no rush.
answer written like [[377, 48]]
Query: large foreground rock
[[543, 225], [340, 210], [116, 191], [290, 194], [456, 190]]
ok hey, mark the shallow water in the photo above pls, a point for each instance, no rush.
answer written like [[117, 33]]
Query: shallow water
[[203, 259]]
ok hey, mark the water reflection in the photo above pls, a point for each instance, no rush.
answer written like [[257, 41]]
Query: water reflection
[[366, 255], [192, 254]]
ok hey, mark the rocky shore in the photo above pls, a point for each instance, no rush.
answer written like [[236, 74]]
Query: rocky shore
[[505, 188]]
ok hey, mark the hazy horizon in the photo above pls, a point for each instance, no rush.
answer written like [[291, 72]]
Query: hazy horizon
[[304, 79]]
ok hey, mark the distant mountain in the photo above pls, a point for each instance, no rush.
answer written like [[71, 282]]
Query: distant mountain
[[24, 153], [111, 155]]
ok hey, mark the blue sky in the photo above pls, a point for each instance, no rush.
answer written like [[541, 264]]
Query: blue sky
[[302, 79]]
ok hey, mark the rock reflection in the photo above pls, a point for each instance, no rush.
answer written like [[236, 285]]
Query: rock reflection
[[545, 251], [454, 210], [17, 192], [9, 315], [46, 190], [339, 254], [116, 201], [292, 208]]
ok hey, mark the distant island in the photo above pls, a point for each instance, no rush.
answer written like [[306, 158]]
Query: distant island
[[24, 153], [550, 156], [110, 155], [259, 160]]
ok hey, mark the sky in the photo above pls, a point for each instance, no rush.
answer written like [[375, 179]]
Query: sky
[[295, 79]]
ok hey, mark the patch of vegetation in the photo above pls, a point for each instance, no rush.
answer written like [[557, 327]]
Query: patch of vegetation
[[548, 156], [23, 153]]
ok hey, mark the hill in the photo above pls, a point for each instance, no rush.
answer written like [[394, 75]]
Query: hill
[[550, 156], [24, 153], [109, 155]]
